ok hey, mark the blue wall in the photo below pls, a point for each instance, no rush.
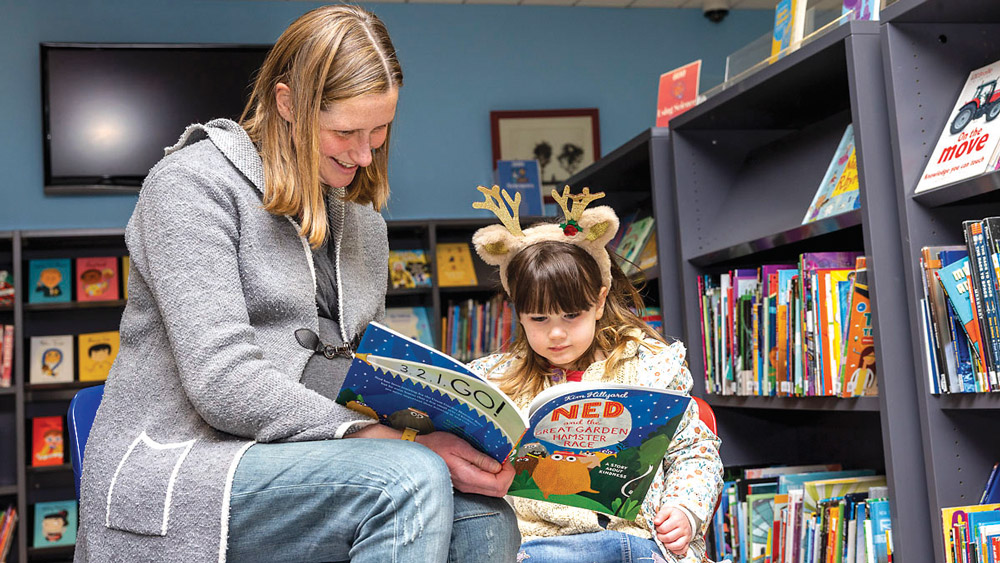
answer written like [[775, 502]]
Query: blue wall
[[459, 62]]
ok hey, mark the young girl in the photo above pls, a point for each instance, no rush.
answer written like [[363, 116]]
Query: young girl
[[575, 308]]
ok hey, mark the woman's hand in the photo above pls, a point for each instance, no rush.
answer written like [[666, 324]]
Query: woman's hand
[[673, 529], [471, 470]]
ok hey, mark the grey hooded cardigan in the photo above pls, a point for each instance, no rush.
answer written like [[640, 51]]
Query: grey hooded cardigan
[[208, 362]]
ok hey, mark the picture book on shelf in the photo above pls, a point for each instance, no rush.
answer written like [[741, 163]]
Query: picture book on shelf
[[585, 446], [634, 240], [862, 9], [409, 269], [789, 26], [968, 146], [958, 538], [413, 322], [47, 441], [523, 177], [97, 352], [51, 359], [6, 289], [55, 523], [839, 191], [678, 92], [7, 356], [97, 278], [49, 280], [126, 262], [454, 265]]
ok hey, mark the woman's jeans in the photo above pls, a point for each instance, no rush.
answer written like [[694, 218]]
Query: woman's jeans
[[596, 547], [363, 500]]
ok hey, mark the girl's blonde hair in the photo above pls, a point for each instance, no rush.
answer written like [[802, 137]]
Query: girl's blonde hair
[[559, 277], [327, 55]]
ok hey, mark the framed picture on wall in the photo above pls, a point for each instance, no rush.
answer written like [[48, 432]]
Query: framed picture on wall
[[563, 141]]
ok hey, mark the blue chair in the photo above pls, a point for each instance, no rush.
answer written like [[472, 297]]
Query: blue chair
[[82, 410]]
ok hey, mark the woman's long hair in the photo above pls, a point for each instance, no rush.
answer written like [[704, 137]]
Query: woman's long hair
[[327, 55], [559, 277]]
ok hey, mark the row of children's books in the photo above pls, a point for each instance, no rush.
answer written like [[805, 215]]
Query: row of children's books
[[54, 359], [411, 268], [961, 311], [8, 520], [790, 329], [472, 329], [61, 280], [972, 532], [6, 355], [803, 514]]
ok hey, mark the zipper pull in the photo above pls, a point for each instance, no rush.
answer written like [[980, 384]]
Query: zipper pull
[[310, 341]]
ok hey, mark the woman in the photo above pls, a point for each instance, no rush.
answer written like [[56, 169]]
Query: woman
[[218, 437]]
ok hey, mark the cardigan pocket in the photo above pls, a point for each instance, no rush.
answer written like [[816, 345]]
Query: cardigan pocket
[[139, 496]]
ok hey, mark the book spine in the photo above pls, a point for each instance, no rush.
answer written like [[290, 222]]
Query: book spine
[[7, 361], [984, 286]]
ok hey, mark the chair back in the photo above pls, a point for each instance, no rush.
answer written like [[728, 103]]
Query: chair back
[[79, 419], [706, 414]]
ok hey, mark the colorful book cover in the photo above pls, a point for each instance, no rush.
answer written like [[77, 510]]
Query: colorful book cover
[[55, 523], [126, 264], [409, 269], [946, 368], [816, 490], [49, 281], [7, 357], [991, 492], [454, 265], [97, 278], [633, 241], [647, 257], [858, 360], [97, 352], [955, 524], [978, 521], [612, 458], [523, 177], [984, 297], [47, 441], [862, 9], [970, 138], [761, 519], [789, 26], [839, 191], [596, 446], [6, 289], [413, 322], [954, 279], [51, 359], [881, 523], [792, 481], [678, 92]]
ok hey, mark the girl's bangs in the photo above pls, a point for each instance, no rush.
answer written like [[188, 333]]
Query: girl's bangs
[[554, 282]]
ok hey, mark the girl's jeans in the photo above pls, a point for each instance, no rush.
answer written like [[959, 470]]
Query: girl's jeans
[[363, 500]]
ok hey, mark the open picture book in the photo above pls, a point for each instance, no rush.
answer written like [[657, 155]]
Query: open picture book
[[590, 446]]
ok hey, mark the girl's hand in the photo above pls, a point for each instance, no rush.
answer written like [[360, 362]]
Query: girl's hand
[[673, 529]]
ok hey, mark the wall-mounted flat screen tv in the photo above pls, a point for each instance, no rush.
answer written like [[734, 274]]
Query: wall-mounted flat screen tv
[[110, 109]]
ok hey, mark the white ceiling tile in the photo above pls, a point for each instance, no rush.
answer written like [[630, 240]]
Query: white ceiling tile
[[656, 4], [604, 3]]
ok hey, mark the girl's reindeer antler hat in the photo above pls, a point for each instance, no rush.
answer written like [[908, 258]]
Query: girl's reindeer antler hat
[[590, 229]]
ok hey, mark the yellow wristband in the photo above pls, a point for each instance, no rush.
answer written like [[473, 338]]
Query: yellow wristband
[[409, 434]]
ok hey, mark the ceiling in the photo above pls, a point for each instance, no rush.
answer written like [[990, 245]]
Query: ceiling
[[733, 4]]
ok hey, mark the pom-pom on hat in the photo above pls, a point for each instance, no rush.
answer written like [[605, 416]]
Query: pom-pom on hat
[[590, 229]]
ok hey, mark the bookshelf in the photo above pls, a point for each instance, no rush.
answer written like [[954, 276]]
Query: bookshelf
[[21, 483], [928, 48], [729, 183]]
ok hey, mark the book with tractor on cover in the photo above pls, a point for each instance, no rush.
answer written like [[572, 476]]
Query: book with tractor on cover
[[594, 447]]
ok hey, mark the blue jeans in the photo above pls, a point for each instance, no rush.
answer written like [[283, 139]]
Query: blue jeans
[[363, 500], [596, 547]]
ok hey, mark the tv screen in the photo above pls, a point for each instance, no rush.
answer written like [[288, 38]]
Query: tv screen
[[110, 109]]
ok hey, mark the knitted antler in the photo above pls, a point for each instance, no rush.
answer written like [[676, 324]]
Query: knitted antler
[[495, 204], [580, 202]]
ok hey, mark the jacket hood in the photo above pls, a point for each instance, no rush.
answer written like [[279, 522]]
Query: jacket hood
[[234, 143]]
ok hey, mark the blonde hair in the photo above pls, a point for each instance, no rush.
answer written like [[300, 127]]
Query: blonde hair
[[559, 277], [329, 54]]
